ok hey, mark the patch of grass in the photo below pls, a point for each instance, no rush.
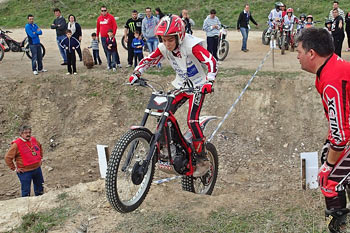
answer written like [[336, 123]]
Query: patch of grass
[[43, 221], [165, 71], [93, 94], [286, 219]]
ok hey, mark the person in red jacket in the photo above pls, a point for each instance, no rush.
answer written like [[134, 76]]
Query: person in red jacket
[[104, 23], [24, 157], [316, 55]]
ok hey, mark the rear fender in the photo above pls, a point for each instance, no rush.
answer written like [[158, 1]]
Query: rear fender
[[203, 122]]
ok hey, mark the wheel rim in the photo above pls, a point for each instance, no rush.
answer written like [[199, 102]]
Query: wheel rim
[[203, 184], [129, 193], [222, 50]]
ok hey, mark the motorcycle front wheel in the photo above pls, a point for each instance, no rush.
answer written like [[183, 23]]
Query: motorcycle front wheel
[[125, 45], [283, 44], [265, 37], [128, 155], [206, 183], [29, 53], [2, 53], [223, 50]]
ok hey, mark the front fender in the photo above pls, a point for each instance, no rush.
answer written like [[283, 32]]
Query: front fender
[[139, 127], [204, 120]]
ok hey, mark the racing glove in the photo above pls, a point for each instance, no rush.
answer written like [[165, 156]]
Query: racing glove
[[134, 77], [323, 174], [207, 88], [329, 189], [325, 150]]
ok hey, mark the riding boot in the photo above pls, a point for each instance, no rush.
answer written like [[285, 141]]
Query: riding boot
[[202, 162], [337, 220]]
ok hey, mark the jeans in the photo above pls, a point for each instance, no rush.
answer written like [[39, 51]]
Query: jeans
[[130, 50], [26, 179], [62, 51], [37, 57], [212, 43], [244, 32], [104, 45], [96, 56], [111, 59], [152, 44], [137, 56]]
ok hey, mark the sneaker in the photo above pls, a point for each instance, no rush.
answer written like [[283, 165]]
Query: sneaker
[[64, 64], [35, 72], [114, 69], [347, 50], [128, 65], [100, 63], [68, 73], [43, 70], [120, 66], [75, 73], [108, 68], [202, 166]]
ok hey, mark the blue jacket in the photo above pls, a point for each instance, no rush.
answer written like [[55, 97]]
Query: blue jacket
[[33, 32], [68, 44], [136, 42], [208, 26]]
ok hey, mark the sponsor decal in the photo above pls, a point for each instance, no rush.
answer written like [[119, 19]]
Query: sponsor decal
[[192, 71], [333, 120], [197, 99], [160, 100]]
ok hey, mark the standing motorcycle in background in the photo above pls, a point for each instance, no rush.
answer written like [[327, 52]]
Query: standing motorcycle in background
[[223, 45], [131, 166], [9, 44], [274, 33], [287, 39]]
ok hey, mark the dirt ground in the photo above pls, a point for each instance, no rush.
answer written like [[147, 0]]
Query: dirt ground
[[259, 145]]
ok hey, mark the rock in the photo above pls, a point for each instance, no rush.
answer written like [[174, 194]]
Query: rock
[[285, 145], [49, 168], [90, 171], [1, 174]]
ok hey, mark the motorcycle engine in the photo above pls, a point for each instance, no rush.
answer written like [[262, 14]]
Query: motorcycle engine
[[180, 160], [14, 47]]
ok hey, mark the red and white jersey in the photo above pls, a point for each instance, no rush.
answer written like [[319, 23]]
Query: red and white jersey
[[333, 84], [187, 61], [290, 21]]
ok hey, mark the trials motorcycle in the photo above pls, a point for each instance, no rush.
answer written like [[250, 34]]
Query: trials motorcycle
[[133, 160], [8, 44]]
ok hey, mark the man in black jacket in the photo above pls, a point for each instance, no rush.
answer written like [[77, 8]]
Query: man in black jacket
[[60, 25], [243, 25], [338, 32]]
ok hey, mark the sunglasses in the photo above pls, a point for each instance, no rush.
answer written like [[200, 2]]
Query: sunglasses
[[103, 10]]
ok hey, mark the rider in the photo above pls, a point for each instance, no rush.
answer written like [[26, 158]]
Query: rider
[[186, 56], [275, 15], [301, 23], [290, 19], [309, 21]]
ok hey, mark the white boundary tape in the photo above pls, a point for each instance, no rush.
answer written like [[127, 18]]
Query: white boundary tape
[[227, 114], [240, 96]]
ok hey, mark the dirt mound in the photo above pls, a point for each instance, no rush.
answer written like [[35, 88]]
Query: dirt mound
[[258, 146]]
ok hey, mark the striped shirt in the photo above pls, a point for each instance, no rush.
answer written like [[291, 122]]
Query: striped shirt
[[94, 44]]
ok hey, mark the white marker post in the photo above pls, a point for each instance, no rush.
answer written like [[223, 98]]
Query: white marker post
[[103, 157], [273, 46], [309, 169]]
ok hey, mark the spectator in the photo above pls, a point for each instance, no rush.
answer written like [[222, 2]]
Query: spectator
[[337, 32], [76, 32], [243, 25], [211, 26], [336, 7], [33, 32], [70, 44], [137, 45], [347, 29], [60, 25], [132, 25], [95, 49], [284, 10], [149, 23], [24, 157], [106, 22], [159, 13], [187, 20], [111, 45]]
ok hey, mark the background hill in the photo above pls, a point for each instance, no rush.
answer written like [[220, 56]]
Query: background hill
[[13, 13]]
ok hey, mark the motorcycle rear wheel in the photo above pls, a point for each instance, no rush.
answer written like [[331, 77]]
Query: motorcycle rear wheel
[[2, 53], [223, 51], [206, 183], [122, 193], [125, 45], [29, 53]]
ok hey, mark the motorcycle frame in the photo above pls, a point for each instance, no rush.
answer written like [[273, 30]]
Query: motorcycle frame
[[165, 115]]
